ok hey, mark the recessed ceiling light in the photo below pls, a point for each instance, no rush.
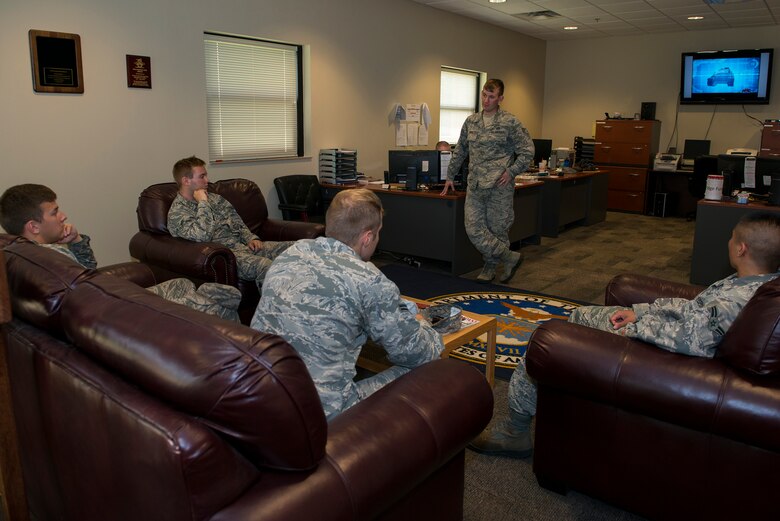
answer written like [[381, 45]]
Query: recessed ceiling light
[[695, 18], [570, 28], [497, 1]]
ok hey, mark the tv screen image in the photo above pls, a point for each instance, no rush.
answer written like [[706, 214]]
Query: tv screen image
[[721, 77]]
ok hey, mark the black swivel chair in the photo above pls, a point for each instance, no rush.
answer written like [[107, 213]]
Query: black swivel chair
[[697, 182], [300, 198]]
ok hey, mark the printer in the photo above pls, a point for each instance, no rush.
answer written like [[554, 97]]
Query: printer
[[666, 162]]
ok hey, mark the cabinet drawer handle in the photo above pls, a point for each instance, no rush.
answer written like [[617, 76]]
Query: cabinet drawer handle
[[606, 148], [633, 195], [639, 127], [636, 148], [607, 127], [776, 130], [634, 174]]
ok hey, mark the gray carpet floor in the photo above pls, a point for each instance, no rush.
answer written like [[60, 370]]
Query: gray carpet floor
[[577, 265]]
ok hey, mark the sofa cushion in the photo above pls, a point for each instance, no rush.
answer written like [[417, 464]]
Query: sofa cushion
[[38, 280], [251, 387], [753, 341]]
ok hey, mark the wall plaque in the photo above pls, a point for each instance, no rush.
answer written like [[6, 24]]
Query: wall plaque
[[139, 71], [56, 62]]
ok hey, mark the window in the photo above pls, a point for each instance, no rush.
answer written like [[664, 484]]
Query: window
[[253, 98], [459, 99]]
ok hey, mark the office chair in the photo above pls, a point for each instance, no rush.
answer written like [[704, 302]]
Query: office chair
[[697, 182], [300, 198]]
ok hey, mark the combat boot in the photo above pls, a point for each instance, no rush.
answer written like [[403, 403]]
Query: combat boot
[[512, 261], [511, 437], [487, 274]]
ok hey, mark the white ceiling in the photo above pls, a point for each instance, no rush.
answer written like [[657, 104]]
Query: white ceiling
[[599, 18]]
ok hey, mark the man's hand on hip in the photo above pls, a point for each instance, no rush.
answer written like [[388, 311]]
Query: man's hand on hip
[[505, 179]]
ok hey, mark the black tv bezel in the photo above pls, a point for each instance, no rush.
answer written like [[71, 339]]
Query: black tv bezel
[[735, 98]]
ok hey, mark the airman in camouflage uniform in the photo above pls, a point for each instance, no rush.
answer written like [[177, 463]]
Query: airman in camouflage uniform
[[199, 216], [31, 211], [325, 299], [499, 148], [690, 327]]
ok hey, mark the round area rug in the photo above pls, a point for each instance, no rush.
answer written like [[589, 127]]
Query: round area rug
[[517, 315]]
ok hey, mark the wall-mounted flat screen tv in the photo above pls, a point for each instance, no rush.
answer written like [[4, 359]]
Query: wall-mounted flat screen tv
[[720, 77]]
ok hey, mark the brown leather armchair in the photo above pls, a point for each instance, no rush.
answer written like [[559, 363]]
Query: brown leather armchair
[[171, 257], [664, 435], [132, 407]]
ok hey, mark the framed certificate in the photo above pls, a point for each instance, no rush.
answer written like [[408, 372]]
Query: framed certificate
[[56, 62]]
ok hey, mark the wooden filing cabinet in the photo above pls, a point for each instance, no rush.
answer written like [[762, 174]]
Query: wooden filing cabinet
[[770, 140], [626, 148]]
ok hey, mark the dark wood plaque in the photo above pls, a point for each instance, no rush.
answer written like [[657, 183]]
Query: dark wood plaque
[[139, 71], [56, 62]]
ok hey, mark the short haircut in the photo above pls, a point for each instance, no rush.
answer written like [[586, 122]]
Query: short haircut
[[494, 84], [443, 145], [21, 204], [761, 232], [183, 168], [352, 212]]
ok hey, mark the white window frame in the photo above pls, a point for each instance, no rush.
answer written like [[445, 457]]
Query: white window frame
[[459, 98], [254, 98]]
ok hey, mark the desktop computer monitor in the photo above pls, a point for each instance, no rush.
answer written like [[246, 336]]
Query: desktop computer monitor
[[542, 150], [694, 148], [425, 163], [732, 167], [767, 170]]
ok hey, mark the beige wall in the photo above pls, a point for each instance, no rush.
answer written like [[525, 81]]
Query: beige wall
[[100, 149], [585, 79]]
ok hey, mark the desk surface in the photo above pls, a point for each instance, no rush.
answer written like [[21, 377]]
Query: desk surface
[[569, 177], [421, 193]]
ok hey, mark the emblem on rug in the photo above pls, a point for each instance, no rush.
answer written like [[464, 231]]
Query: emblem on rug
[[517, 314]]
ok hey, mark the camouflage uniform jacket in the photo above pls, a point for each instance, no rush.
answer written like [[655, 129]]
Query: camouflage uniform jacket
[[695, 327], [213, 220], [503, 144], [80, 252], [326, 302]]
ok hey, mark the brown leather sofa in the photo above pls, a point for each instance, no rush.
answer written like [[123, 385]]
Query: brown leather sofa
[[664, 435], [132, 407], [171, 257]]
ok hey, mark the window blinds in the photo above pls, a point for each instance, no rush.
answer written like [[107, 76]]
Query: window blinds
[[252, 98], [458, 101]]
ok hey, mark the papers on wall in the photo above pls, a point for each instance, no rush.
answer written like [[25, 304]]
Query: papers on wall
[[412, 112], [400, 134], [422, 135], [412, 133]]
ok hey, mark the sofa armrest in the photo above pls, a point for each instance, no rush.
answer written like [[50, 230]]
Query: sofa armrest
[[698, 393], [277, 230], [135, 272], [202, 261], [628, 289], [380, 449]]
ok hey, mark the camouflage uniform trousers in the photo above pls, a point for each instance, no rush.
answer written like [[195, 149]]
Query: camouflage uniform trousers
[[215, 299], [522, 388], [369, 386], [253, 265], [489, 213]]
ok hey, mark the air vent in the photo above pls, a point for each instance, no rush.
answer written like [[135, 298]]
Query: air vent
[[537, 15]]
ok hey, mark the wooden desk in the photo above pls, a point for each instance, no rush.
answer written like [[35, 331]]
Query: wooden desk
[[579, 198], [429, 225], [714, 222], [484, 325]]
